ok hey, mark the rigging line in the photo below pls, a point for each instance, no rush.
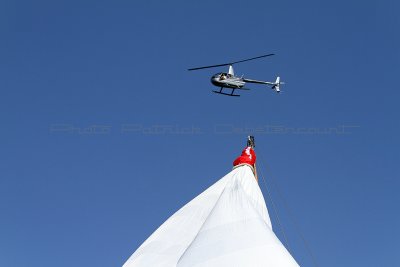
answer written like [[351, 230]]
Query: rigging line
[[274, 209], [292, 217]]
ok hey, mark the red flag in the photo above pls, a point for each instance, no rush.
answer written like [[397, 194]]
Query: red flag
[[248, 156]]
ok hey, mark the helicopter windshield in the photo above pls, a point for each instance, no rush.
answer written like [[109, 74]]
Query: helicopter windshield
[[218, 75]]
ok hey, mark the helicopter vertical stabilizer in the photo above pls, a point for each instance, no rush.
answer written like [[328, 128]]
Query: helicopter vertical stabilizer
[[277, 84]]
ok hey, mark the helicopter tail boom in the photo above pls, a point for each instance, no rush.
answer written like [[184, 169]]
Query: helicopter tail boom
[[274, 85]]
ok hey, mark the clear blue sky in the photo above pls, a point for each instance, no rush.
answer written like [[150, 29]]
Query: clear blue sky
[[84, 179]]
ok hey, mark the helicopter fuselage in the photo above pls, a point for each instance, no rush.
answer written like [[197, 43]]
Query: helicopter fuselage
[[227, 80]]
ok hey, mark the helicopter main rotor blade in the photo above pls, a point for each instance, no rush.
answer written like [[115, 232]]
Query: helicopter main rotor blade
[[231, 63], [213, 66], [251, 59]]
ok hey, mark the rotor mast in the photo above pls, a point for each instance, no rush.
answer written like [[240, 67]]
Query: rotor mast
[[231, 72]]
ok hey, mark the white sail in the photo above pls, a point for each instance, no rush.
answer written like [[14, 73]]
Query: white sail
[[225, 226]]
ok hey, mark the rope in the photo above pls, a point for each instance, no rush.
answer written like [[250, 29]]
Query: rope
[[292, 218], [280, 226]]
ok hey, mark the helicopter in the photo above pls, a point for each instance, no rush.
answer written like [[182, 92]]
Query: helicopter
[[230, 81]]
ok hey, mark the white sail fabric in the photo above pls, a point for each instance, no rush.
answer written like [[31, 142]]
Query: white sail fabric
[[225, 226]]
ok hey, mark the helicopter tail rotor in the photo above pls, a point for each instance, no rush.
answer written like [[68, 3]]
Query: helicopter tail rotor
[[277, 84]]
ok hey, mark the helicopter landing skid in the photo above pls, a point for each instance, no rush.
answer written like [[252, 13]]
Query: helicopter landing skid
[[221, 93]]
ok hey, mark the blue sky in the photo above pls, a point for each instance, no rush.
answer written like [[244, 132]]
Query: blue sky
[[105, 133]]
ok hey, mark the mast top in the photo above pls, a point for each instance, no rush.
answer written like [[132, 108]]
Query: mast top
[[250, 141], [248, 155]]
